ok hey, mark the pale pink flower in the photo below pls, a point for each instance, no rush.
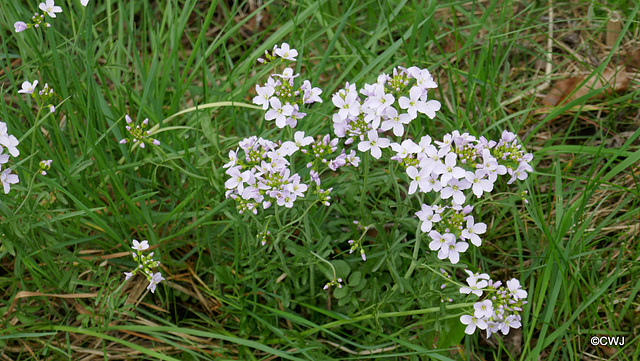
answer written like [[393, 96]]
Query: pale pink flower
[[7, 179], [155, 279], [28, 88], [286, 52], [50, 8], [374, 144], [20, 26]]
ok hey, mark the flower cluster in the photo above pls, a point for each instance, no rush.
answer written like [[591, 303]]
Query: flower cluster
[[357, 243], [457, 168], [390, 104], [261, 174], [48, 8], [10, 143], [333, 283], [138, 134], [281, 97], [42, 96], [45, 165], [145, 263], [500, 311], [262, 236], [461, 162], [283, 51]]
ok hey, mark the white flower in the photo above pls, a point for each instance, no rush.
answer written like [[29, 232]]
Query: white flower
[[286, 199], [472, 231], [287, 74], [453, 250], [374, 144], [380, 99], [511, 321], [11, 143], [28, 88], [493, 327], [20, 26], [50, 8], [233, 158], [479, 183], [155, 279], [140, 246], [427, 217], [278, 112], [430, 108], [301, 140], [3, 129], [445, 143], [475, 286], [483, 309], [353, 159], [439, 241], [264, 94], [286, 52], [455, 188], [348, 105], [4, 158], [520, 173], [414, 104], [418, 178], [472, 323], [449, 169], [372, 116], [423, 77], [84, 2], [395, 121], [6, 178], [491, 166], [236, 179], [407, 147], [516, 290]]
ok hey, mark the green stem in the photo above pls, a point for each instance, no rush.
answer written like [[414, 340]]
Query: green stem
[[33, 136], [155, 128], [376, 316], [364, 182], [327, 262], [416, 250]]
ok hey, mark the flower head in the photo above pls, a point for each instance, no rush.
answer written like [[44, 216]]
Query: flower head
[[140, 246], [264, 94], [154, 280], [473, 230], [20, 26], [45, 165], [28, 88], [138, 133], [50, 8], [472, 322], [278, 112], [374, 144], [7, 179], [11, 143], [286, 52]]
